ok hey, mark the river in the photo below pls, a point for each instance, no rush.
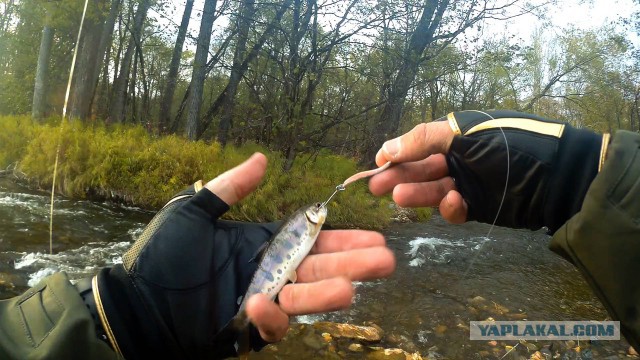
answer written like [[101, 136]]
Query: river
[[447, 275]]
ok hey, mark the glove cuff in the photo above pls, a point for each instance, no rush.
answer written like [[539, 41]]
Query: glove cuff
[[579, 157], [129, 326], [550, 167]]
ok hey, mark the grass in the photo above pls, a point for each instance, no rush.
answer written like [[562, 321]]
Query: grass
[[125, 163]]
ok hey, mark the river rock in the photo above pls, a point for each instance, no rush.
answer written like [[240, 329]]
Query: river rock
[[498, 309], [362, 333], [355, 347], [393, 354], [529, 346], [314, 341], [517, 316], [440, 330], [326, 337], [537, 356], [7, 280]]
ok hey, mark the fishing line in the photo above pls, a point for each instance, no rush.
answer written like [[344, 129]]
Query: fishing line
[[64, 115], [504, 195]]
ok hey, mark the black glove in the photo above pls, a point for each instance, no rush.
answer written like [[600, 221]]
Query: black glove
[[551, 165], [179, 284]]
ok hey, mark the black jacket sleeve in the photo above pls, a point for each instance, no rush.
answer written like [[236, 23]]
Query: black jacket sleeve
[[603, 239]]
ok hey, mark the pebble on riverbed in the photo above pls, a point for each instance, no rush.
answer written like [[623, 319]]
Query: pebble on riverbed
[[362, 333]]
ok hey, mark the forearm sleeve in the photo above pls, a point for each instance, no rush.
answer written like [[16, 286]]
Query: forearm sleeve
[[49, 321], [603, 239]]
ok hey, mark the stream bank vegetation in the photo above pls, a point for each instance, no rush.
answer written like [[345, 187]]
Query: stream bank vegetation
[[125, 163], [301, 80]]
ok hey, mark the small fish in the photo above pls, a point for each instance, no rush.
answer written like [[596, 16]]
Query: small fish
[[284, 253]]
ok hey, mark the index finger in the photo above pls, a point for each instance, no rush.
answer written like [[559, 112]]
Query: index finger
[[423, 140], [331, 241]]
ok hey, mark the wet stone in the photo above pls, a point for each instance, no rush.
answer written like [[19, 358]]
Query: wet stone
[[440, 330], [537, 356], [478, 300], [393, 354], [355, 347], [314, 341], [362, 333], [529, 346]]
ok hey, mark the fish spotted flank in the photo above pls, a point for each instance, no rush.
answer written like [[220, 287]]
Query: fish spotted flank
[[286, 250]]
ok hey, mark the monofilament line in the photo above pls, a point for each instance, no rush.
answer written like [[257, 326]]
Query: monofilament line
[[504, 194], [64, 115]]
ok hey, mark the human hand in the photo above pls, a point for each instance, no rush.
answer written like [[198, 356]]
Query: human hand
[[178, 286], [514, 169], [420, 177]]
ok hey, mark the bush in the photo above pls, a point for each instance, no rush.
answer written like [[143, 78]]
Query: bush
[[125, 163]]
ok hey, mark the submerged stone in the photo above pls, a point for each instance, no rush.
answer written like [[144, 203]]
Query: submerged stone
[[362, 333]]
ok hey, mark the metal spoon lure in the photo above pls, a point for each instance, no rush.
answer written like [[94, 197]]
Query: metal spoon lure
[[356, 177]]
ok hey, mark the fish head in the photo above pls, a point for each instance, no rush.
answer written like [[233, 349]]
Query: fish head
[[316, 214]]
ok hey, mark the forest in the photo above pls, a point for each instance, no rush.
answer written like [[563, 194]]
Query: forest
[[303, 76]]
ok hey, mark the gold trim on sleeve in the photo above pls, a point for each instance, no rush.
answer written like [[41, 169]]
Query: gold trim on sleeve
[[454, 124], [603, 150], [198, 185], [103, 317], [536, 126]]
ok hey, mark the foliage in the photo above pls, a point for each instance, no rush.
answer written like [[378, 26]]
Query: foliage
[[423, 214], [125, 162]]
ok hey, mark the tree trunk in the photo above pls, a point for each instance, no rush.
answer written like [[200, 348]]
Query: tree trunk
[[244, 20], [120, 85], [255, 49], [389, 119], [199, 69], [42, 73], [164, 117], [87, 68]]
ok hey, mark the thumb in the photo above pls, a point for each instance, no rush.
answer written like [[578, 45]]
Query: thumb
[[423, 140], [233, 185]]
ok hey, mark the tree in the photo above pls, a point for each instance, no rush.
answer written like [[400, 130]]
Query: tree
[[226, 95], [87, 67], [439, 24], [164, 115], [119, 94], [42, 73], [199, 69], [243, 22]]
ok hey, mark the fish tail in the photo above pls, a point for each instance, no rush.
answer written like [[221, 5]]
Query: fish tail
[[241, 324]]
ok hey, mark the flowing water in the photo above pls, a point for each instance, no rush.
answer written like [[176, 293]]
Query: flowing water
[[447, 275]]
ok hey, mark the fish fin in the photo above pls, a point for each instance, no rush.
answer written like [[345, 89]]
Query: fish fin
[[293, 276], [241, 323]]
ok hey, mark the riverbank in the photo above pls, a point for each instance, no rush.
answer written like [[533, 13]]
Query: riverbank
[[127, 165], [446, 276]]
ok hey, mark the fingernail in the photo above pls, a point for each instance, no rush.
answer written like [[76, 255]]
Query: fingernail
[[392, 147], [448, 201]]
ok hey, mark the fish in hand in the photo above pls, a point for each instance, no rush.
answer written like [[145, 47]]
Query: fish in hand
[[284, 253]]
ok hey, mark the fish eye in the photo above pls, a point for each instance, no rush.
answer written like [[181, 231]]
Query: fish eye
[[318, 205]]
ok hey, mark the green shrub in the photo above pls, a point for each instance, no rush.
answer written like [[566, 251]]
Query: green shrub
[[423, 214], [125, 163]]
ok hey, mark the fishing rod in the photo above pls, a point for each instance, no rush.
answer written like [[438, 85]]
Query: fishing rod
[[64, 115]]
